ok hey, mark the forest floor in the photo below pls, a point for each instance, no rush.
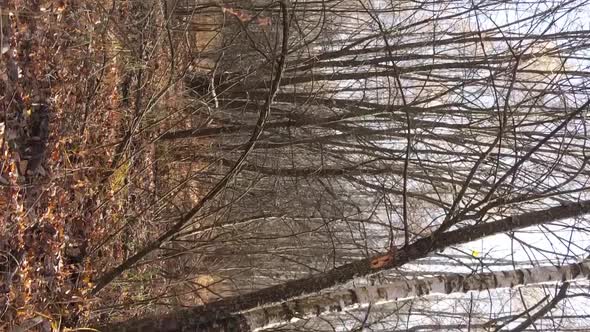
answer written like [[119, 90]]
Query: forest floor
[[79, 82]]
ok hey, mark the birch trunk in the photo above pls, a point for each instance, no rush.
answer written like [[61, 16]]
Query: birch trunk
[[224, 311], [341, 300]]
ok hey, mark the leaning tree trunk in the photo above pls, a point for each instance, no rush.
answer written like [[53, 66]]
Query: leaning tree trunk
[[224, 315], [341, 300]]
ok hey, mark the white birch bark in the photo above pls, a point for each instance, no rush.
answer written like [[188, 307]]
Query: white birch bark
[[340, 300]]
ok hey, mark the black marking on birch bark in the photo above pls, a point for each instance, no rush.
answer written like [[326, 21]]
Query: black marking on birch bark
[[448, 286], [318, 310], [462, 284], [419, 289], [297, 308], [576, 270], [584, 269], [335, 308], [382, 293], [287, 311], [354, 298], [519, 277], [266, 316]]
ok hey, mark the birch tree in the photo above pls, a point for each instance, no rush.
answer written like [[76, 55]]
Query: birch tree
[[343, 299], [223, 312]]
